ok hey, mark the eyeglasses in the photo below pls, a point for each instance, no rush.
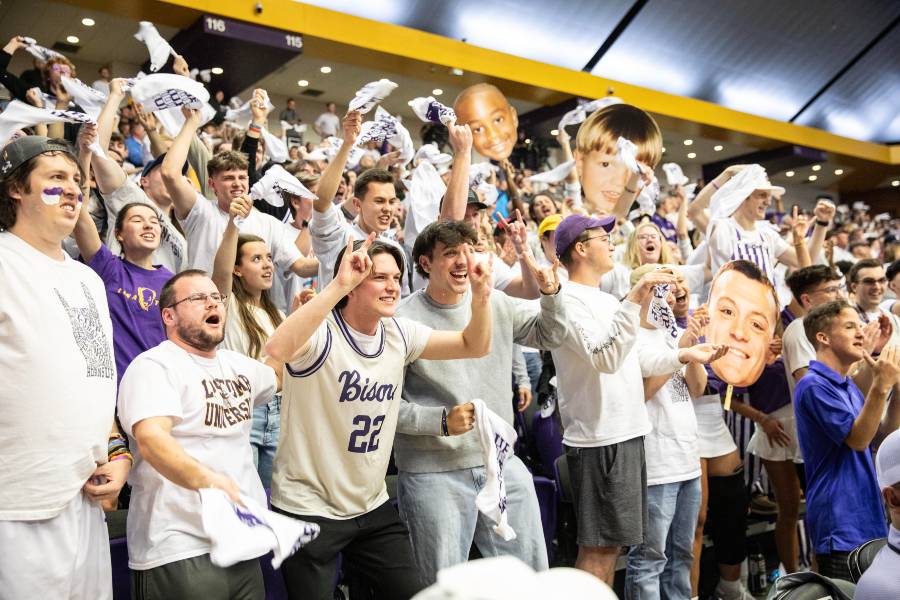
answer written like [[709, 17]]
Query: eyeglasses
[[831, 289], [198, 299], [644, 237], [603, 237], [873, 281], [61, 69]]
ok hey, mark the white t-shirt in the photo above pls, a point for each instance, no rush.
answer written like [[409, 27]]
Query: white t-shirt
[[330, 231], [211, 401], [672, 447], [172, 251], [341, 399], [601, 390], [796, 350], [328, 124], [236, 337], [58, 396], [205, 226]]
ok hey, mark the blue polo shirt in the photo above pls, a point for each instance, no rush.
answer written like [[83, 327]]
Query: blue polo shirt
[[843, 502]]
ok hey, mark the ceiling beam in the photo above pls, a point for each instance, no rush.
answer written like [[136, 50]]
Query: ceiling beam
[[617, 31]]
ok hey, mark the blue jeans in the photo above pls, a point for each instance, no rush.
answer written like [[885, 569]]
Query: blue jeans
[[264, 437], [439, 510], [661, 566], [534, 365]]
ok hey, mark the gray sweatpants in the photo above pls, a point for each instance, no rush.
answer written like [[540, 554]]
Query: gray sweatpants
[[197, 577]]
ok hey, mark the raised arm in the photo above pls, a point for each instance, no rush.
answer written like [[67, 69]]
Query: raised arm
[[223, 265], [106, 121], [512, 190], [886, 371], [331, 178], [183, 193], [86, 236], [824, 213], [454, 205], [475, 340], [292, 336]]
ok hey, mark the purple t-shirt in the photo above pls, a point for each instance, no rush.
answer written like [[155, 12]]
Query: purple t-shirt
[[771, 391], [133, 296], [668, 229]]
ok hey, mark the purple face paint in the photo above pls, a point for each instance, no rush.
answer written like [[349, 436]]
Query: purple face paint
[[80, 198], [51, 195]]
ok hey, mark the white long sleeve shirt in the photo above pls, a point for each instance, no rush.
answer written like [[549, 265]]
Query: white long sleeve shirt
[[601, 389]]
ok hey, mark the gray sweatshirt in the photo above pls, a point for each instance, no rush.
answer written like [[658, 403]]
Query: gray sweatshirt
[[431, 386]]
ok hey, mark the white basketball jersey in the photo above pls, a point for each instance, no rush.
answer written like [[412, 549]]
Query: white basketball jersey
[[338, 417]]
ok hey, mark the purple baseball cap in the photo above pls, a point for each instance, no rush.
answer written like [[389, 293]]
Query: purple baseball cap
[[574, 225]]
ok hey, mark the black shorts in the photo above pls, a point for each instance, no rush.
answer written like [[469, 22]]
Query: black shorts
[[609, 489], [375, 545]]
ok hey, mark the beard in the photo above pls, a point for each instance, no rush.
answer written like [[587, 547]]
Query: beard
[[195, 336]]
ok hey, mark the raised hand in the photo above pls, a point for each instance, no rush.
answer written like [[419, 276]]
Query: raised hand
[[887, 367], [15, 43], [703, 353], [799, 225], [517, 232], [34, 97], [117, 87], [646, 283], [302, 297], [351, 124], [180, 66], [386, 161], [191, 117], [547, 277], [355, 265], [87, 135], [147, 119], [258, 107], [479, 272], [692, 334], [461, 418], [460, 138], [240, 208], [824, 211]]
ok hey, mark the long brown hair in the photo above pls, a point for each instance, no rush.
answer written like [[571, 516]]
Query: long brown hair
[[244, 301]]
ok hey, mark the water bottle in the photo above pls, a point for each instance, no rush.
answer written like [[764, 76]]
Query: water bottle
[[758, 573]]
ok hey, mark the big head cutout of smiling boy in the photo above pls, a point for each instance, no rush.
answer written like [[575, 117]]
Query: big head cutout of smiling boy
[[492, 119]]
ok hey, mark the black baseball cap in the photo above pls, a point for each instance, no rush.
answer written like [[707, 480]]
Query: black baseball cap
[[473, 199], [157, 162], [18, 152]]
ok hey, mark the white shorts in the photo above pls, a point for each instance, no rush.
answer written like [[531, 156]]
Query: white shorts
[[760, 445], [714, 437], [65, 558]]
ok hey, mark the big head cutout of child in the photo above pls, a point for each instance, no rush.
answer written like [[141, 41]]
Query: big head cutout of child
[[602, 175], [492, 119], [743, 312]]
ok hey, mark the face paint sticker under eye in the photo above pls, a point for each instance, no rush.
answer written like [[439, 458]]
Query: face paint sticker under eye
[[80, 198], [51, 195]]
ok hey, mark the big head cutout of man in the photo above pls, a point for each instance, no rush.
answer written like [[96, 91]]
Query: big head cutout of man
[[492, 119], [743, 312]]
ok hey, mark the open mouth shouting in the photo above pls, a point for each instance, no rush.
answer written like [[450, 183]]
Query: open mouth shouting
[[214, 320], [459, 275]]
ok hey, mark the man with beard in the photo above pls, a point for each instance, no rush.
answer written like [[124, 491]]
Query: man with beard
[[204, 222], [189, 429]]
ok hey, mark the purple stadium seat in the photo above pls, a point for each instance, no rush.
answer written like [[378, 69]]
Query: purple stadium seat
[[546, 495], [547, 441], [121, 576]]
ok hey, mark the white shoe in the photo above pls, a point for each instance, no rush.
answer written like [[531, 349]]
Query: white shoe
[[740, 594]]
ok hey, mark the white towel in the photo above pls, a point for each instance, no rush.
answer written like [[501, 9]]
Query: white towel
[[316, 154], [277, 182], [38, 51], [431, 111], [674, 174], [371, 94], [241, 533], [334, 144], [157, 45], [430, 153], [241, 116], [165, 94], [497, 438], [660, 314], [479, 172], [628, 155], [555, 174], [733, 192], [19, 115], [387, 127], [425, 192], [584, 109], [89, 99], [276, 149]]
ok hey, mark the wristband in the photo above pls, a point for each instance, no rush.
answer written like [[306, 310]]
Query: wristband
[[630, 191], [444, 430], [823, 223], [254, 128], [714, 184]]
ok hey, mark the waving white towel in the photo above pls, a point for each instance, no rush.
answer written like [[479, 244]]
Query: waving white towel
[[38, 51], [431, 111], [275, 184], [554, 175], [88, 98], [371, 94], [157, 45], [19, 115]]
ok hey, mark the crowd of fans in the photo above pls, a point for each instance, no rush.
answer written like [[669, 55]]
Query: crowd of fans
[[189, 309]]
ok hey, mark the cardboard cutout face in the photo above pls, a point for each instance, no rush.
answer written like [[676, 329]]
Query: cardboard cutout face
[[742, 314], [494, 122]]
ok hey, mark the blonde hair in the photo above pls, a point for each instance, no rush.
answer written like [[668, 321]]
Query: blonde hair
[[603, 129], [632, 258]]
